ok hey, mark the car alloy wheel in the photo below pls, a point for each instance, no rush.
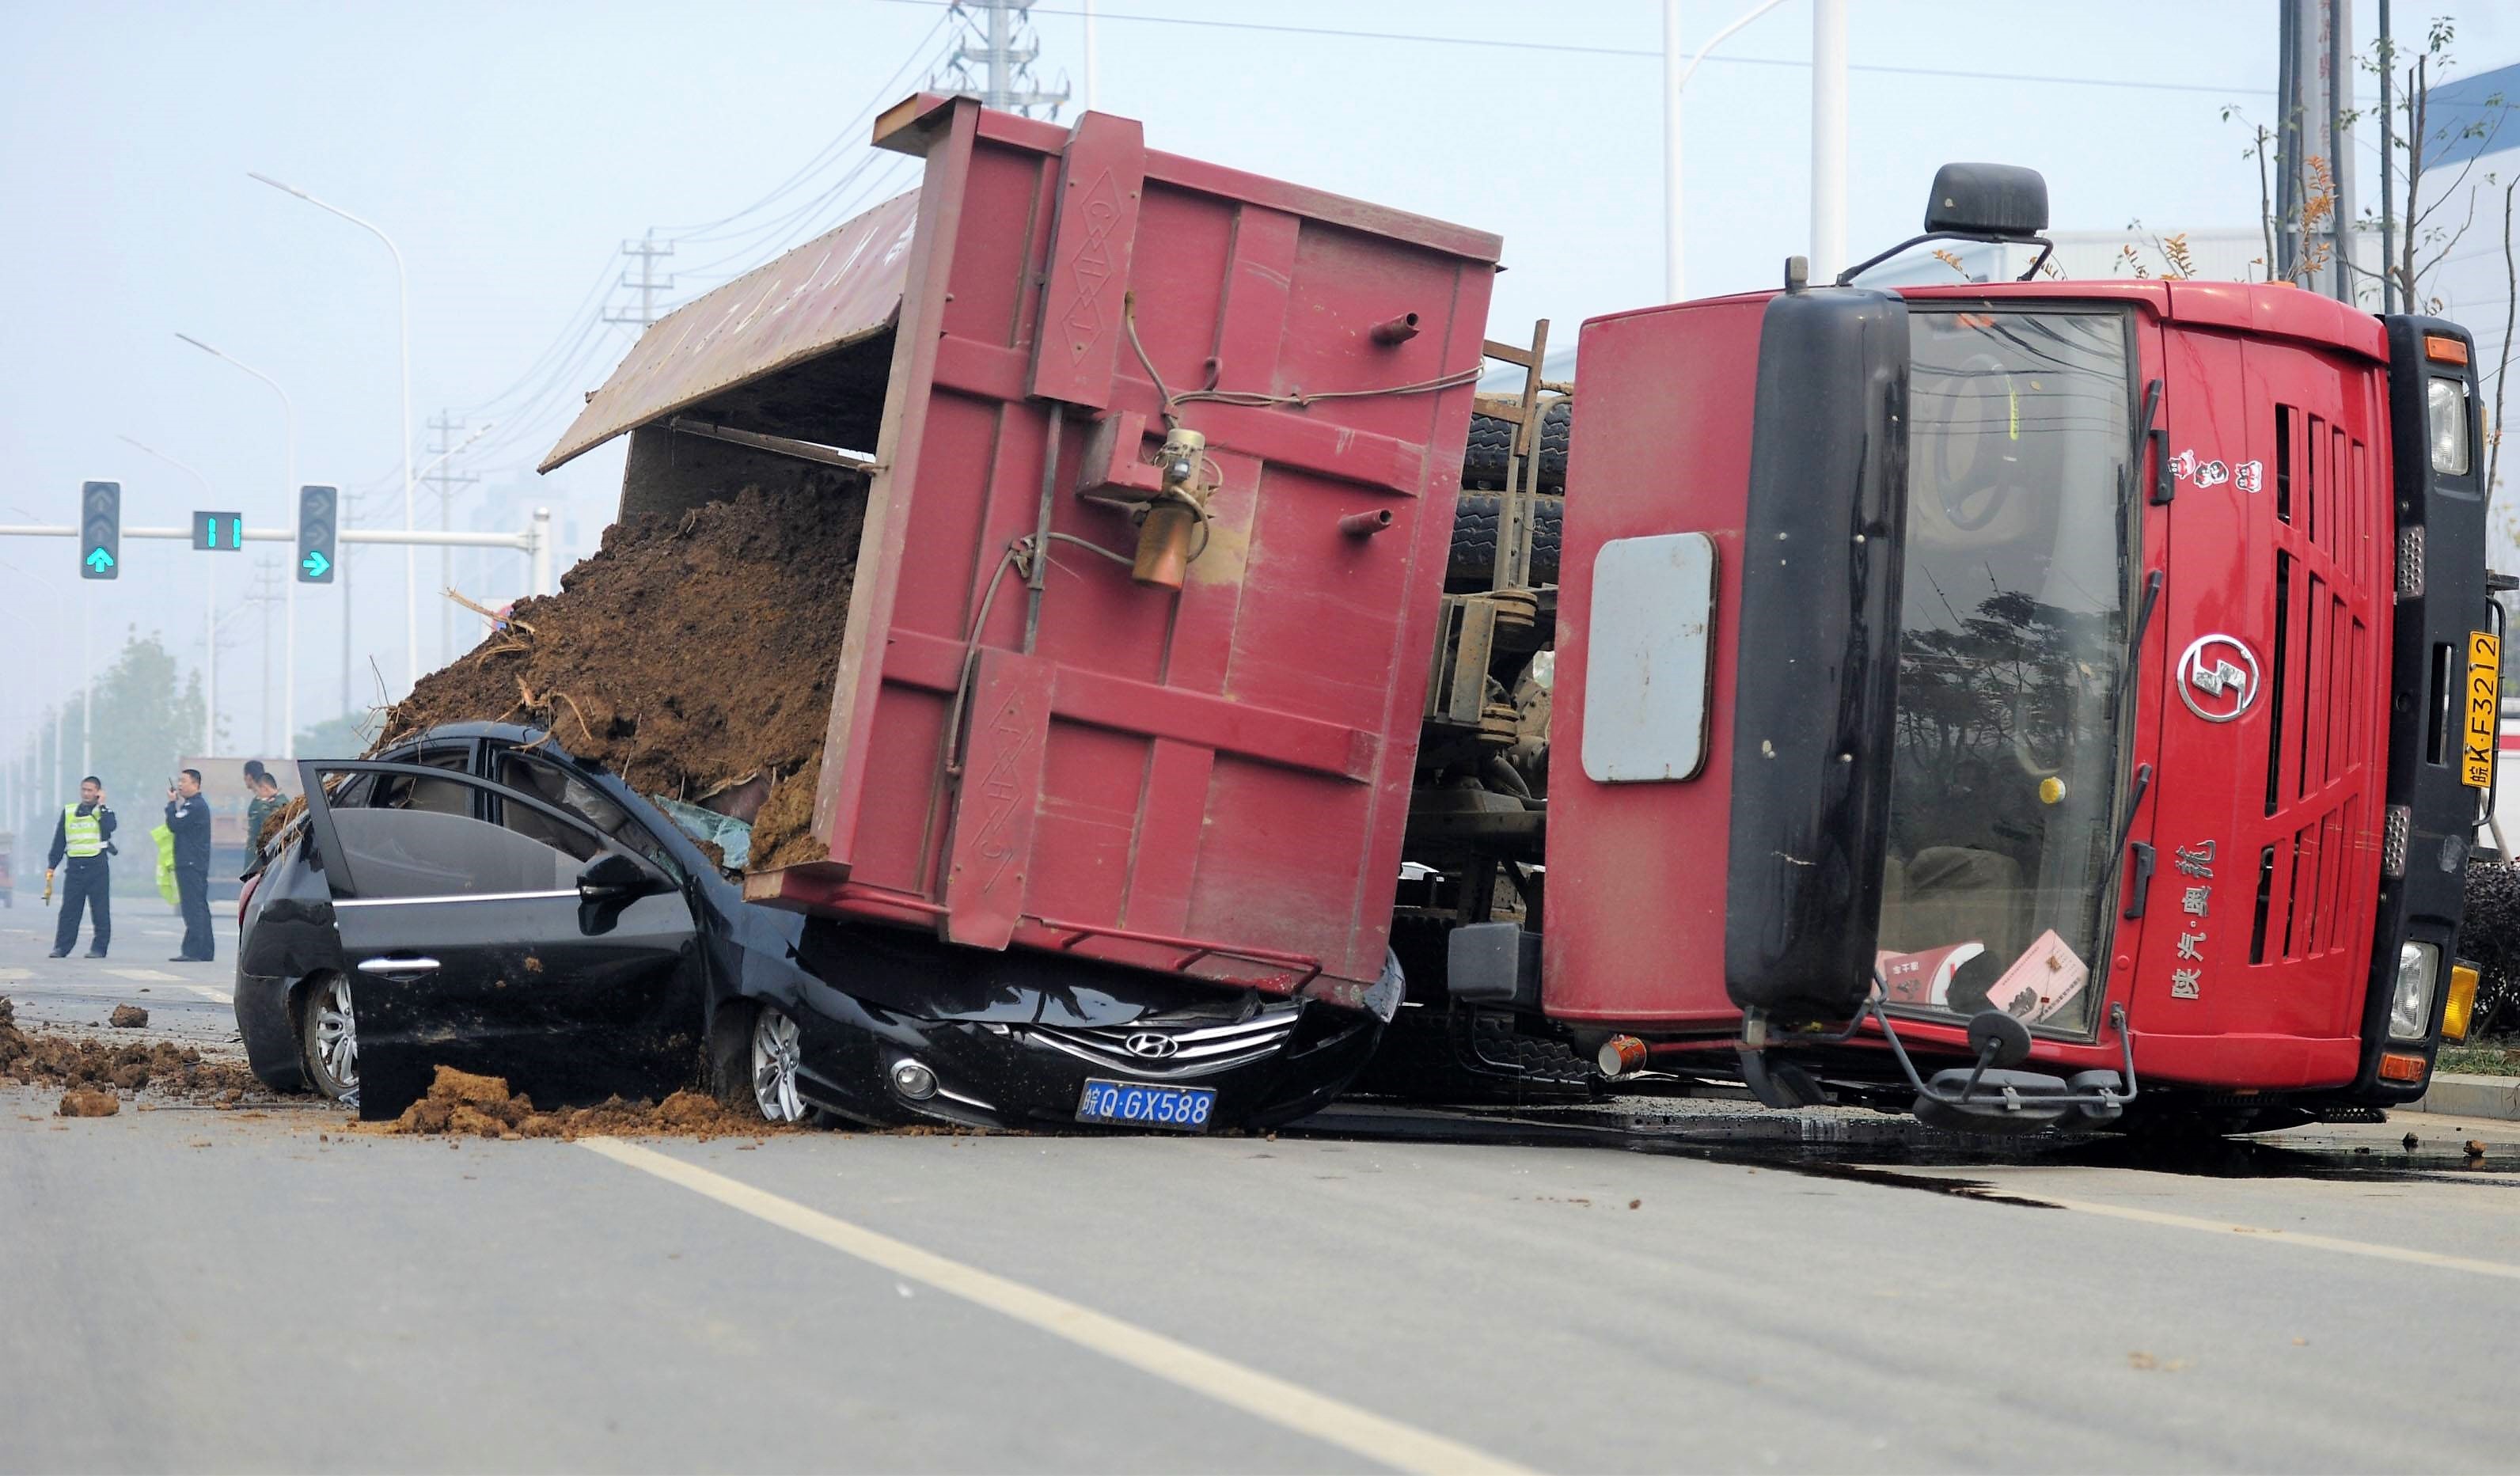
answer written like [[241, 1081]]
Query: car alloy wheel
[[774, 1052], [333, 1039]]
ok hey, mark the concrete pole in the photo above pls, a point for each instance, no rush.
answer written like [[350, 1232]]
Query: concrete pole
[[1675, 278], [1828, 140], [542, 568], [1093, 94], [87, 685]]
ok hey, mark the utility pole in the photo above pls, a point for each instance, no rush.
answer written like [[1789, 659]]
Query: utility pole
[[1000, 49], [444, 479], [266, 593], [2314, 42], [649, 284], [350, 516]]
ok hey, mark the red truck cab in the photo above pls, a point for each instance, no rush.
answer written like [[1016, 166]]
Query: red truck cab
[[2069, 676]]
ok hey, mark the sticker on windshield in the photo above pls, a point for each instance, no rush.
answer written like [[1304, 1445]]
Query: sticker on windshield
[[2042, 982], [1924, 978]]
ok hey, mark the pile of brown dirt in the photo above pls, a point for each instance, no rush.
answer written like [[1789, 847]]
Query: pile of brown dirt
[[127, 1017], [464, 1105], [87, 1101], [42, 1058], [688, 654]]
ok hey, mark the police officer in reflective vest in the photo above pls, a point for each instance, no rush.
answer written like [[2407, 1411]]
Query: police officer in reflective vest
[[85, 837]]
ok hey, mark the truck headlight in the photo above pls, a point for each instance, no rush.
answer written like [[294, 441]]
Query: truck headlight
[[2410, 1003], [2445, 405]]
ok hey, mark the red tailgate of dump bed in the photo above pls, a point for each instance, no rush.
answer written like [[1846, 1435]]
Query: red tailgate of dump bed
[[1046, 754]]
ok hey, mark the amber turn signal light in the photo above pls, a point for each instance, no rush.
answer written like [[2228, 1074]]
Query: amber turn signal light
[[2442, 348], [2401, 1066], [2460, 1005]]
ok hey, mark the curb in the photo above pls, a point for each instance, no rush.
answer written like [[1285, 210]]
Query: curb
[[2457, 1094]]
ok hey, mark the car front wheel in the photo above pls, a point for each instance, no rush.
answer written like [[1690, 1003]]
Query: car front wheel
[[776, 1050], [328, 1031]]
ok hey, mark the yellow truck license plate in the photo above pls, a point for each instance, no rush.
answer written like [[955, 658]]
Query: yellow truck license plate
[[2484, 707]]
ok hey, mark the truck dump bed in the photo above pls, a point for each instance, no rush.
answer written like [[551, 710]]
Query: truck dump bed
[[1038, 751]]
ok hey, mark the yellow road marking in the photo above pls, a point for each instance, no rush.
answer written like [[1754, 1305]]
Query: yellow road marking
[[1291, 1407]]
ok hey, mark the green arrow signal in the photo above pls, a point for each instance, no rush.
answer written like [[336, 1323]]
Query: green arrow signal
[[99, 560], [315, 564]]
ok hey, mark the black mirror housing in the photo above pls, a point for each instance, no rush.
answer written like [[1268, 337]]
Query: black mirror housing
[[612, 875], [1988, 199]]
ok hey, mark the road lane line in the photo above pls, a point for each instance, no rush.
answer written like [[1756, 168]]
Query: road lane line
[[12, 975], [216, 996], [2273, 1236], [143, 975], [1333, 1422]]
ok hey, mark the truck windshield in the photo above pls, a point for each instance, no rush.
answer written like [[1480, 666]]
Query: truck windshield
[[2009, 747]]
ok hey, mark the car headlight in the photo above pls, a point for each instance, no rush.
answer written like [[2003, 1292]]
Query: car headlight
[[2410, 1003], [2445, 405]]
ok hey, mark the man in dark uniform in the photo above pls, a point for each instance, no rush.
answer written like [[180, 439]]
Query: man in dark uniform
[[188, 815], [85, 837]]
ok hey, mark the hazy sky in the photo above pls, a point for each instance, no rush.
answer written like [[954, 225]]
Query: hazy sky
[[510, 149]]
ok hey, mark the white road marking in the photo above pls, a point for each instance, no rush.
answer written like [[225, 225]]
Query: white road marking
[[144, 975], [2270, 1235], [218, 996], [1289, 1406], [12, 975]]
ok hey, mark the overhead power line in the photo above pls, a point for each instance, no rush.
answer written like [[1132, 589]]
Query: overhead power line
[[1654, 53]]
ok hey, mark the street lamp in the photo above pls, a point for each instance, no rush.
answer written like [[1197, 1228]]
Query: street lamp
[[289, 678], [210, 611], [410, 522], [1675, 80]]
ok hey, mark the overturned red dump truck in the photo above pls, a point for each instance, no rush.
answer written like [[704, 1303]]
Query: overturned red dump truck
[[2026, 702]]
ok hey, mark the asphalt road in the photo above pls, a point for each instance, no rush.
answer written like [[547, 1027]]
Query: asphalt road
[[256, 1289]]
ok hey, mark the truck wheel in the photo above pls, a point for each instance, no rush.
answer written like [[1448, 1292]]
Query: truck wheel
[[1488, 453], [1475, 537], [328, 1034]]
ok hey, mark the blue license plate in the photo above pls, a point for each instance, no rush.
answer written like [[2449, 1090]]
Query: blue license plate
[[1184, 1109]]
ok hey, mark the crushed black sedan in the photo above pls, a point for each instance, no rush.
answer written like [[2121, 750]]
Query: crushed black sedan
[[475, 898]]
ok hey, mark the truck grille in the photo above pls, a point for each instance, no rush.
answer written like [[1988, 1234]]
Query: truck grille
[[1172, 1051]]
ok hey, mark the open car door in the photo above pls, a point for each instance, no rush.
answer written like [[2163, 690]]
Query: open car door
[[538, 950]]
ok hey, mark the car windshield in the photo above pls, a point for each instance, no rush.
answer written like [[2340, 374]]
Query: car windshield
[[2007, 751]]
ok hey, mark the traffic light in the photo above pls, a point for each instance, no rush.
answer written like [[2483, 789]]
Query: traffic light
[[315, 520], [100, 531], [218, 532]]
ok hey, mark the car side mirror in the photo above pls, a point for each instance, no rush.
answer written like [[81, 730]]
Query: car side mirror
[[613, 877], [611, 882]]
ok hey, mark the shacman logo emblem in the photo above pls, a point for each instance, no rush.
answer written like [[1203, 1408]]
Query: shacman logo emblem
[[1153, 1045], [2218, 678]]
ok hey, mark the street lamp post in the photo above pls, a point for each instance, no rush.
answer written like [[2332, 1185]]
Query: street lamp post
[[209, 612], [1675, 81], [403, 431], [288, 483]]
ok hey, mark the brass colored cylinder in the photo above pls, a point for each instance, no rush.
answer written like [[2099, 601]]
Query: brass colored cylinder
[[1163, 546]]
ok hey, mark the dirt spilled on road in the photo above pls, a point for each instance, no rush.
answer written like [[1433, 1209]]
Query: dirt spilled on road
[[691, 654], [462, 1104], [42, 1058]]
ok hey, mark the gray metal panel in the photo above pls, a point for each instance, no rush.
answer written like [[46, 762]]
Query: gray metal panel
[[1645, 684]]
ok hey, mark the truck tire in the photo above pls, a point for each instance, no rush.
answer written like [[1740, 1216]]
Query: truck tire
[[1484, 460], [2489, 938], [1475, 536]]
